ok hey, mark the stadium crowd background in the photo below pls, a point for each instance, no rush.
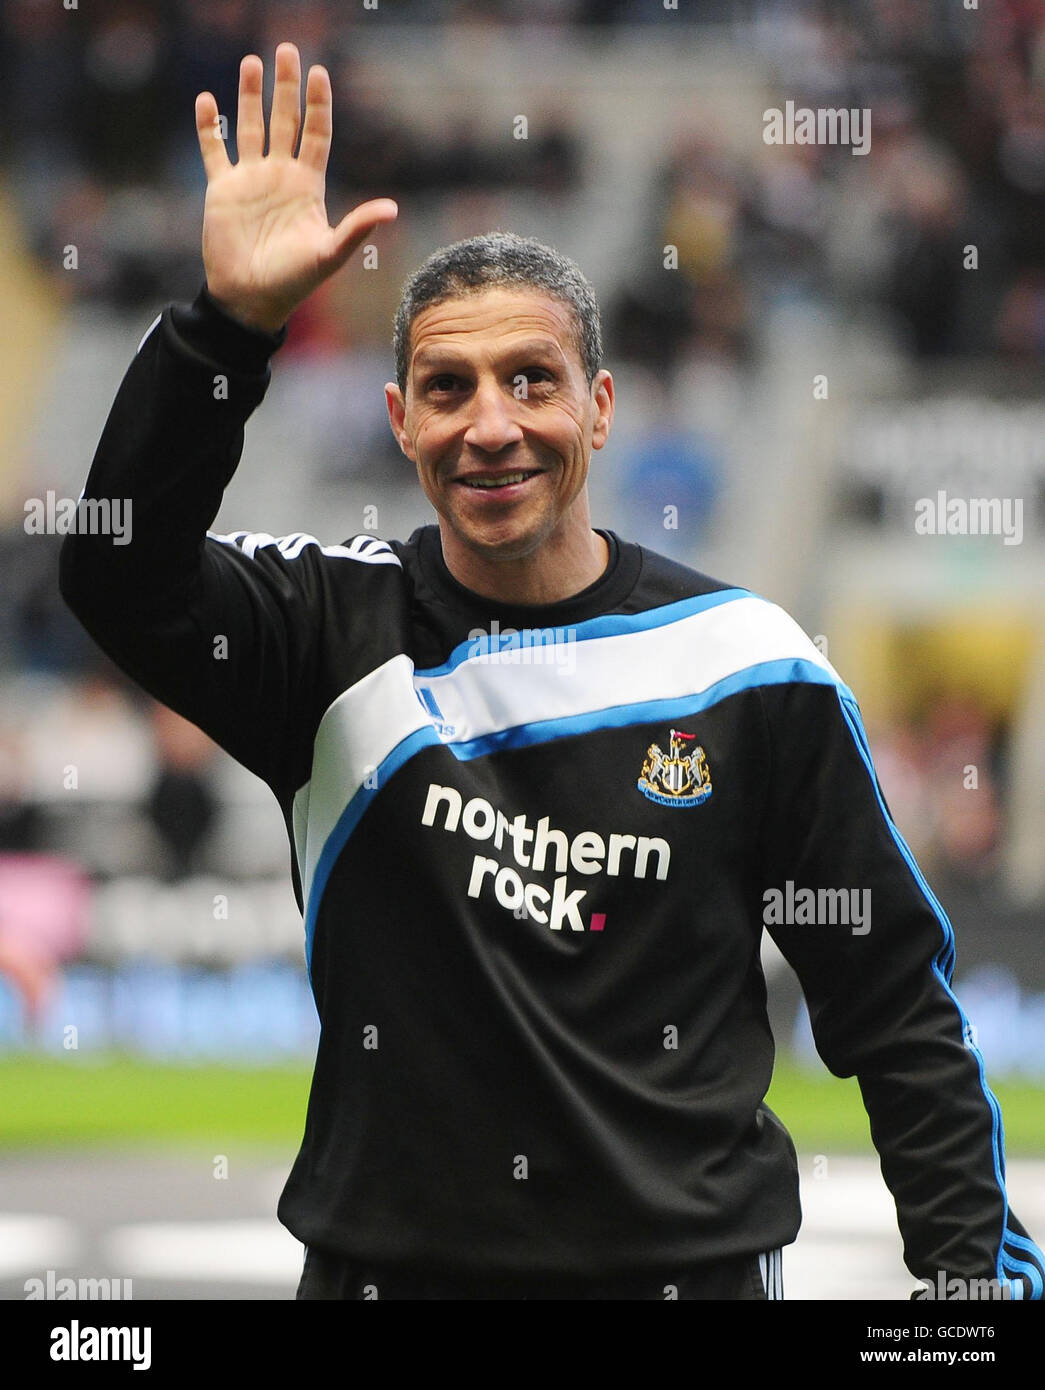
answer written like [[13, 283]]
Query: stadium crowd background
[[156, 871]]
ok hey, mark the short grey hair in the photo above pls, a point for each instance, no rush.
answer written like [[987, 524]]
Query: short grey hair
[[496, 260]]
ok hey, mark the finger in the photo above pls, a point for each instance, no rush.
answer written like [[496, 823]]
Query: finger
[[208, 128], [355, 227], [315, 137], [286, 101], [250, 119]]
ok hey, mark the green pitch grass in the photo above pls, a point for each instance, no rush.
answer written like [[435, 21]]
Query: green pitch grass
[[77, 1100], [81, 1100]]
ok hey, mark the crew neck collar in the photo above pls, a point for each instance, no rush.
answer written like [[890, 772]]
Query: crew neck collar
[[602, 596]]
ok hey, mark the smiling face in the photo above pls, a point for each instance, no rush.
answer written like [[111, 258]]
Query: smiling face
[[500, 422]]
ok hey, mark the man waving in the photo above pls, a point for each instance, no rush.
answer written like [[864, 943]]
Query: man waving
[[534, 947]]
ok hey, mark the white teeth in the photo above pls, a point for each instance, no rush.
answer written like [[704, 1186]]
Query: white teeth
[[496, 482]]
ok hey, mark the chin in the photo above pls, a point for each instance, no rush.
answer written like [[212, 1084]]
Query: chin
[[510, 547], [509, 543]]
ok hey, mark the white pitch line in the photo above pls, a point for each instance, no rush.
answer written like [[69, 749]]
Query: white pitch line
[[35, 1244], [252, 1251]]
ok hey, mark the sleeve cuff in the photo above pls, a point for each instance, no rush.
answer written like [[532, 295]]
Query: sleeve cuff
[[212, 333]]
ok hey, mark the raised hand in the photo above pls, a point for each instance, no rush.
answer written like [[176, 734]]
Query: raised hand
[[267, 243]]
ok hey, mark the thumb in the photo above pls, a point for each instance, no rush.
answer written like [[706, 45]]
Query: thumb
[[356, 225]]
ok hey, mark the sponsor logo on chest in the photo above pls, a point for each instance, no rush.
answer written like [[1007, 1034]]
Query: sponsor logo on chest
[[537, 849]]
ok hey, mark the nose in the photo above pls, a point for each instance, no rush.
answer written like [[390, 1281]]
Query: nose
[[492, 424]]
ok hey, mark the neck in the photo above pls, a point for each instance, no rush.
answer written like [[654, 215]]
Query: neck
[[561, 566]]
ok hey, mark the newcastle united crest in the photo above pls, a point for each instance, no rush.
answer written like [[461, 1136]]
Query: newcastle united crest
[[679, 777]]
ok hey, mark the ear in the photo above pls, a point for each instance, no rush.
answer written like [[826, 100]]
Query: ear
[[397, 418], [602, 393]]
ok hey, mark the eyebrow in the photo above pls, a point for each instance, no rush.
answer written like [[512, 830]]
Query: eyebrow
[[448, 356]]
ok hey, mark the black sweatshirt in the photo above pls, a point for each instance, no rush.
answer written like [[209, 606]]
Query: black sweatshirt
[[535, 849]]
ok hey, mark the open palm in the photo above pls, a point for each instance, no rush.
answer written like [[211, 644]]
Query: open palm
[[267, 243]]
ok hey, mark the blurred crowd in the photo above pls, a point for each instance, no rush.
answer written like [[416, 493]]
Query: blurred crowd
[[943, 772], [958, 156]]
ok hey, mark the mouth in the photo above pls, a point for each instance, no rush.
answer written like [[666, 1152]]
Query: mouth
[[499, 484]]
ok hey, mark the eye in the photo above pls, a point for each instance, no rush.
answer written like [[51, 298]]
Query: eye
[[535, 375], [444, 381]]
